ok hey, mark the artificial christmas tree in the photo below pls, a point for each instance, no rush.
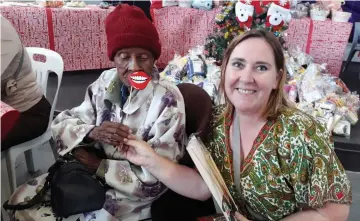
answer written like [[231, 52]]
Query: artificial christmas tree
[[239, 16]]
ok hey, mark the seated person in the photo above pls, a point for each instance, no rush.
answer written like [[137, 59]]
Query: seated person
[[20, 90], [107, 118]]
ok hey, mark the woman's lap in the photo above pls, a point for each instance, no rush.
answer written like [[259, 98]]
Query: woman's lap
[[31, 124]]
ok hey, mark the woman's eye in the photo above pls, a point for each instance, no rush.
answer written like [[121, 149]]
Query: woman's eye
[[144, 57], [261, 68], [238, 64], [124, 56]]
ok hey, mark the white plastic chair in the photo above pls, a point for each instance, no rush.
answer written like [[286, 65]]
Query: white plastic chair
[[54, 63]]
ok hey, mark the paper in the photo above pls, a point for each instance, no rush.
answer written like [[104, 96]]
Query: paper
[[211, 175]]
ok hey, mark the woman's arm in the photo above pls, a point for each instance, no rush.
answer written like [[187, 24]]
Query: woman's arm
[[10, 44], [181, 179], [330, 212]]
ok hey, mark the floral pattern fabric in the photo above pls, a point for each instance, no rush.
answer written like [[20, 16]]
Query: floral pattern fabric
[[291, 166], [155, 114]]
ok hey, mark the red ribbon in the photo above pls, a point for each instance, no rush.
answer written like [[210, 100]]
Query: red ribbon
[[50, 28], [309, 40]]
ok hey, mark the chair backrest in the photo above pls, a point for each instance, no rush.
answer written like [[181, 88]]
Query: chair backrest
[[356, 38], [53, 63], [198, 109]]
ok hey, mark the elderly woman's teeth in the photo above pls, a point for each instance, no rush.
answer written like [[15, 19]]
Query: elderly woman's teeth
[[242, 91], [139, 79]]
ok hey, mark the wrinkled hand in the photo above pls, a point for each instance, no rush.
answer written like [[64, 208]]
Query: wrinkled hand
[[240, 217], [90, 160], [138, 152], [110, 133]]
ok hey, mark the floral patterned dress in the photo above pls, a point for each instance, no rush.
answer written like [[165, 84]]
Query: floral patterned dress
[[292, 166], [155, 114]]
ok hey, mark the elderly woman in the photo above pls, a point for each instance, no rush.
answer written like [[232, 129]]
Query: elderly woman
[[278, 162], [107, 117]]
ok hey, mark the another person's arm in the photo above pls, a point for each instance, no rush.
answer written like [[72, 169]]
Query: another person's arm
[[10, 43], [181, 179]]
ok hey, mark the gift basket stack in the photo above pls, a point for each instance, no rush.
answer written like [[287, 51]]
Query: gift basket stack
[[321, 10], [61, 3], [198, 4], [195, 68], [320, 94]]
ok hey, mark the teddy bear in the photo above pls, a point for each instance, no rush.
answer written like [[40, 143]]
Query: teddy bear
[[278, 14], [244, 14]]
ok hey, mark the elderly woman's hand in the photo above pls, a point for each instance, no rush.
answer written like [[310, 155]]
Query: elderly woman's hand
[[89, 159], [138, 152], [110, 133]]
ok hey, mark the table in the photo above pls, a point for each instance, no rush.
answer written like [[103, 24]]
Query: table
[[325, 41], [348, 149], [183, 28], [77, 34]]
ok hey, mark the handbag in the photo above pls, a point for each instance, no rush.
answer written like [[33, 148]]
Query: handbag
[[74, 189]]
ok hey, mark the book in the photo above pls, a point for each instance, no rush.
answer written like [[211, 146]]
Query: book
[[212, 176]]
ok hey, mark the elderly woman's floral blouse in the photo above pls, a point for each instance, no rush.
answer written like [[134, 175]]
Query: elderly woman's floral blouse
[[291, 166], [155, 114]]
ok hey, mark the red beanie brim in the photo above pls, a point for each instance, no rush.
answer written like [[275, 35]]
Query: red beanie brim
[[128, 40], [127, 26]]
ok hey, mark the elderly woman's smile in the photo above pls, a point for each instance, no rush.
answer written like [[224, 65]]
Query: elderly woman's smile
[[130, 60]]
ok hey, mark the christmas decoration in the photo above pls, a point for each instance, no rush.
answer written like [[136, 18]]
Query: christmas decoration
[[239, 16], [244, 14], [277, 15]]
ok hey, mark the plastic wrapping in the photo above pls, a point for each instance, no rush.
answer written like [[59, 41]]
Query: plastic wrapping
[[300, 10], [343, 128], [301, 57], [202, 4], [308, 86], [195, 69]]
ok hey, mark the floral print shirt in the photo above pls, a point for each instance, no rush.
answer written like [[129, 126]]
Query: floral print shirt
[[291, 166], [155, 114]]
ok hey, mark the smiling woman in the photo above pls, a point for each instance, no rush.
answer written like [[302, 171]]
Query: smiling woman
[[277, 162], [259, 62]]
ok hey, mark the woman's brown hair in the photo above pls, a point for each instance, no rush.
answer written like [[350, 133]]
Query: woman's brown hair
[[277, 100]]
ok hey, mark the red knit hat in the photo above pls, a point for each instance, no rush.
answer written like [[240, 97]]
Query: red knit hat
[[127, 26]]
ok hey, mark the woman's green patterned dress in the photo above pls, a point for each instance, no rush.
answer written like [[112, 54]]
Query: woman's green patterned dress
[[291, 166]]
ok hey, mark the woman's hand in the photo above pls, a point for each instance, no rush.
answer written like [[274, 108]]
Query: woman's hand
[[240, 217], [138, 152], [90, 160], [110, 133]]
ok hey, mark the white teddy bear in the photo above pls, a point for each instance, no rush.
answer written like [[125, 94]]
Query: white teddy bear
[[244, 14]]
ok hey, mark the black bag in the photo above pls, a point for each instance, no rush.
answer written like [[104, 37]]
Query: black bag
[[74, 189]]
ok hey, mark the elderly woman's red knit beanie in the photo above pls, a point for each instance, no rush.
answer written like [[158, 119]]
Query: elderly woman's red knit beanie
[[127, 26]]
